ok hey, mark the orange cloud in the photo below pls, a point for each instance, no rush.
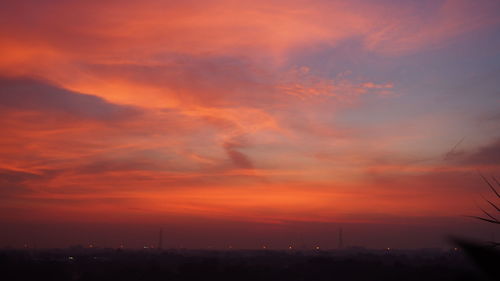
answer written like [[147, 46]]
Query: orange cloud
[[207, 108]]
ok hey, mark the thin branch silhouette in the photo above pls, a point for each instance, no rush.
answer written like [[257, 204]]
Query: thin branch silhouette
[[490, 185], [488, 216]]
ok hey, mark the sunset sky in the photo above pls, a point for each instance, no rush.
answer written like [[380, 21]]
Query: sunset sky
[[248, 121]]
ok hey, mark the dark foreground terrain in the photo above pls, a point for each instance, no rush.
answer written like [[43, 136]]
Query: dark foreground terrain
[[110, 264]]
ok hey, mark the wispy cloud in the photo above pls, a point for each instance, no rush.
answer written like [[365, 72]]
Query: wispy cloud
[[257, 111]]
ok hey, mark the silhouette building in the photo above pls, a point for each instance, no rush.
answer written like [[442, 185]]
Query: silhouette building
[[160, 239], [341, 242]]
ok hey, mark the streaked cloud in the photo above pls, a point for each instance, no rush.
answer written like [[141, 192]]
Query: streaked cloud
[[272, 112]]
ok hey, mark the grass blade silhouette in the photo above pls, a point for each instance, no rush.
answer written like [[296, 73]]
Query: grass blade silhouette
[[485, 219], [487, 214], [493, 204], [490, 185]]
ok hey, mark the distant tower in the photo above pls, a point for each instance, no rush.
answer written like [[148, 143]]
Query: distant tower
[[160, 239], [341, 242], [302, 243]]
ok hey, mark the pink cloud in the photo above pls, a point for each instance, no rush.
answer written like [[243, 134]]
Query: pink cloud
[[196, 108]]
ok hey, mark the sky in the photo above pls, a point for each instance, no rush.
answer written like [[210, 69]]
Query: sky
[[247, 122]]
